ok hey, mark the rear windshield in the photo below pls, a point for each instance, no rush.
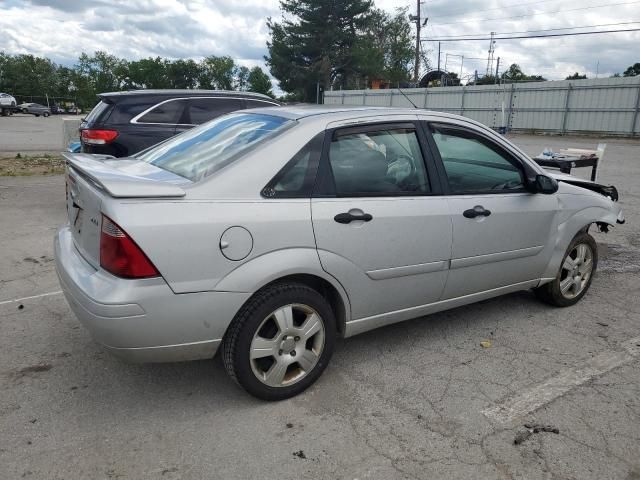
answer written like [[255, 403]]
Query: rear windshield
[[97, 111], [203, 150]]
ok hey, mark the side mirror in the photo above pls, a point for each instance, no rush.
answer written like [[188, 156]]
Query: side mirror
[[546, 185]]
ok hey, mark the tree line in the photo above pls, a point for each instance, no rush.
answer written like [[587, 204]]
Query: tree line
[[25, 76]]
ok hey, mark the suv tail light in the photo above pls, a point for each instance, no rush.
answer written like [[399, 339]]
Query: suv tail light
[[98, 137], [120, 255]]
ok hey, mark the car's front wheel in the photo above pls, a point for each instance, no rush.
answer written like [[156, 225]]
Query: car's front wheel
[[575, 275], [280, 342]]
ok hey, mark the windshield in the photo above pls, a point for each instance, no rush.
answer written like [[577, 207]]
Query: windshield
[[201, 151]]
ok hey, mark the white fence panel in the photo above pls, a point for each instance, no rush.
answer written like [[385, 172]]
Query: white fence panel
[[606, 105]]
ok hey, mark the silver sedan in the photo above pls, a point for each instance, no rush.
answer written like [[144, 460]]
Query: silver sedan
[[268, 233]]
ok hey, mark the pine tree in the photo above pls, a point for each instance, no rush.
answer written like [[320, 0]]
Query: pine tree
[[314, 43]]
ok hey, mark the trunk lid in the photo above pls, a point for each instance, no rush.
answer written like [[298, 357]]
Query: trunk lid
[[92, 179]]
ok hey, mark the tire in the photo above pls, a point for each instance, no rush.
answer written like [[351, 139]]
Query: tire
[[286, 361], [37, 115], [562, 291], [45, 114]]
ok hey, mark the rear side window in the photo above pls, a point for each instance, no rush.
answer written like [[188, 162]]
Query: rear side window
[[380, 162], [167, 112], [202, 110], [203, 150], [99, 112], [298, 176]]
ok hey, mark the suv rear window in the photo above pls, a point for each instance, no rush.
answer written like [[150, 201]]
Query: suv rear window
[[206, 149], [101, 108]]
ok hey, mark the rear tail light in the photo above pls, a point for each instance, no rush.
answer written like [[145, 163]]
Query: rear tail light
[[98, 137], [120, 255]]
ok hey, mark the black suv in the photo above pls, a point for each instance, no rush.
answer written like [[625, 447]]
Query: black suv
[[124, 123]]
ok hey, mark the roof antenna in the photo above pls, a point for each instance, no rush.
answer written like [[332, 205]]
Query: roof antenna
[[414, 105]]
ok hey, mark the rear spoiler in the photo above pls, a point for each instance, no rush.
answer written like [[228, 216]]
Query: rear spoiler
[[118, 183]]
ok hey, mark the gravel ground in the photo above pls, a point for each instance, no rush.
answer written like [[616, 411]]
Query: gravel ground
[[28, 133], [407, 401]]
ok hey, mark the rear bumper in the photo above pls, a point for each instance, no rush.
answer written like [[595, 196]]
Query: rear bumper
[[142, 320]]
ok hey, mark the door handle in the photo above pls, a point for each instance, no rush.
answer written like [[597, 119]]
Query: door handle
[[476, 211], [349, 217]]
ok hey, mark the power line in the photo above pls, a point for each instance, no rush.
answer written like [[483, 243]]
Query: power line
[[535, 14], [537, 31], [568, 34], [457, 12]]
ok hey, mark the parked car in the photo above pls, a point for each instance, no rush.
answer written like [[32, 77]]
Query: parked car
[[23, 106], [37, 110], [124, 123], [7, 103], [7, 100], [57, 110], [270, 232]]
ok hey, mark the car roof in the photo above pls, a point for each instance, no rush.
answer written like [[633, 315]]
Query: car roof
[[345, 112], [181, 93]]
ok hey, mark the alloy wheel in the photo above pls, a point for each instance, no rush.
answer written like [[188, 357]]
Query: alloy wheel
[[576, 271], [287, 345]]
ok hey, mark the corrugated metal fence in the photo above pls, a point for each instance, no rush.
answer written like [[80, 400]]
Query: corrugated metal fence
[[600, 106]]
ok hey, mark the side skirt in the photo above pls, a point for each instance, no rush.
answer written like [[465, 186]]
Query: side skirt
[[361, 325]]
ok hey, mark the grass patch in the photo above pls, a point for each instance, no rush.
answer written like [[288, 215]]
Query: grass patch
[[24, 165]]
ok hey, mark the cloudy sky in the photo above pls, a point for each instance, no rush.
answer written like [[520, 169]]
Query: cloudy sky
[[62, 29]]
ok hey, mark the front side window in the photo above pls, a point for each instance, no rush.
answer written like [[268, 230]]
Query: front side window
[[167, 112], [203, 150], [202, 110], [474, 164], [378, 162]]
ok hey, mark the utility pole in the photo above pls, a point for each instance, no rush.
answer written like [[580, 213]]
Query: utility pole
[[497, 69], [416, 18], [438, 56], [490, 55]]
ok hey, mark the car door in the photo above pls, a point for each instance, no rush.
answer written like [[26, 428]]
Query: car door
[[502, 233], [381, 227]]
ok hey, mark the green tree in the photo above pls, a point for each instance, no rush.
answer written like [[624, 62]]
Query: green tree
[[241, 81], [217, 73], [632, 70], [315, 42], [259, 82], [576, 76], [385, 49], [147, 73], [515, 74], [484, 80], [183, 73]]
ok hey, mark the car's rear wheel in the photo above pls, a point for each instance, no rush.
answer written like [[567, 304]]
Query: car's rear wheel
[[45, 114], [575, 275], [280, 342]]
